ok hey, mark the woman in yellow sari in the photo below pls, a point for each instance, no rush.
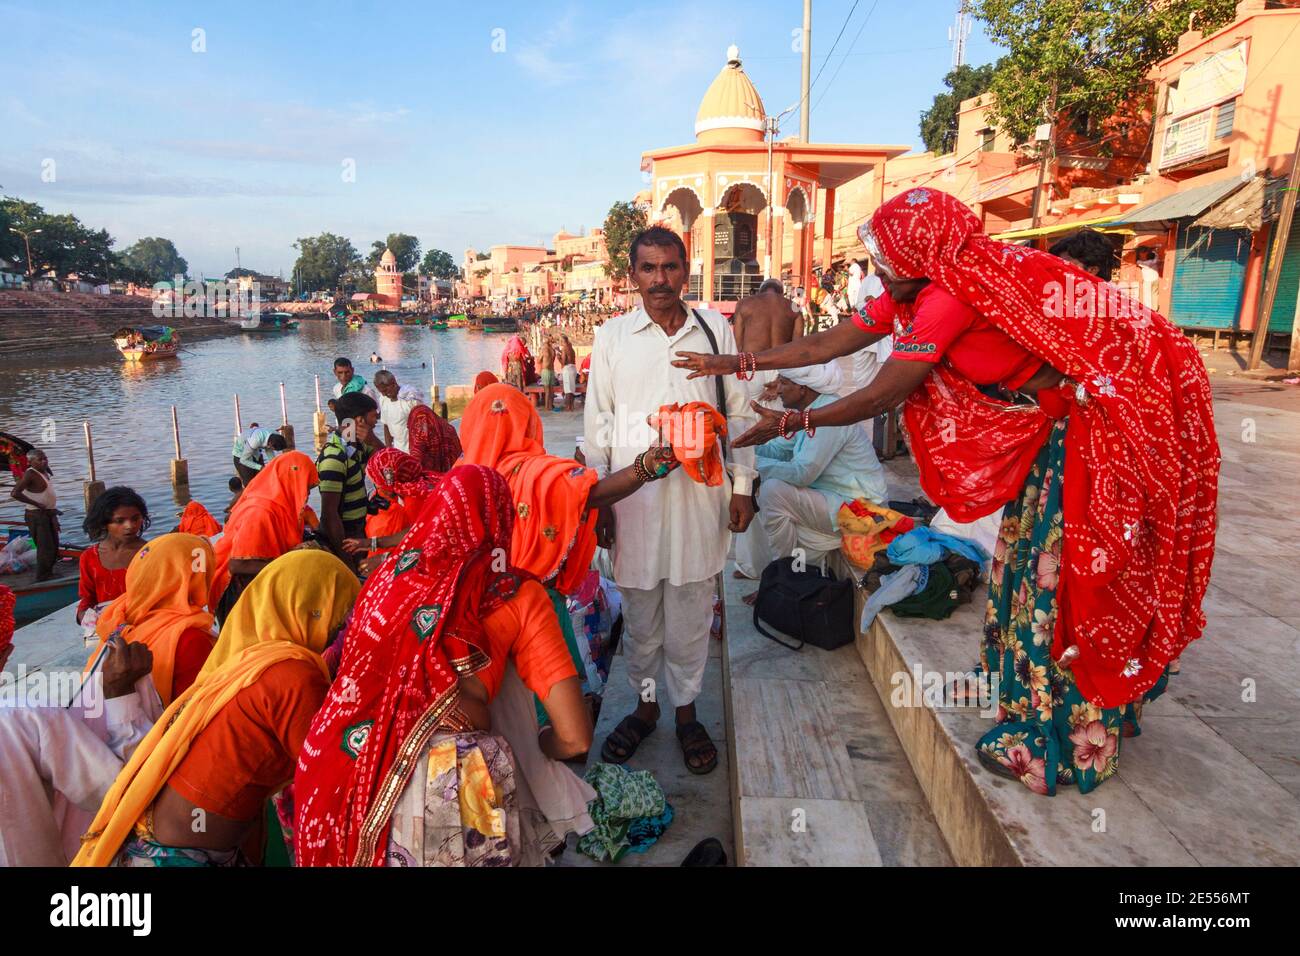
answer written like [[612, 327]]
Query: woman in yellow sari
[[231, 740]]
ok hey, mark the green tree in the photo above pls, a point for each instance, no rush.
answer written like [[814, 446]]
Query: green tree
[[1083, 58], [324, 261], [406, 249], [61, 247], [622, 224], [154, 258], [440, 265], [939, 122]]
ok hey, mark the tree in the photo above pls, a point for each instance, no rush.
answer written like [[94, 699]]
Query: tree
[[622, 224], [406, 249], [62, 247], [939, 122], [324, 260], [1082, 57], [440, 265], [154, 258]]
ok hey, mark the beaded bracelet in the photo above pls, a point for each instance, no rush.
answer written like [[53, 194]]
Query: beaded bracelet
[[807, 422], [743, 375], [639, 469], [785, 418]]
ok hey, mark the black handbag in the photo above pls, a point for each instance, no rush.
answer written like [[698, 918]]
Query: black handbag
[[809, 606]]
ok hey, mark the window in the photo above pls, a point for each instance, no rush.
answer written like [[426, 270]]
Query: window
[[986, 140], [1223, 121]]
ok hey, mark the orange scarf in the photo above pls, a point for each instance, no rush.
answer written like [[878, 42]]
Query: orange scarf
[[167, 585], [267, 520], [554, 532], [693, 430], [196, 519]]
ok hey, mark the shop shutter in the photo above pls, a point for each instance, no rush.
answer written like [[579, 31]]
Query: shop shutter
[[1284, 303], [1209, 277]]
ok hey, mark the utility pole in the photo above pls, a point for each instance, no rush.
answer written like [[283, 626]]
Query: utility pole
[[807, 70], [1048, 148], [958, 32], [1281, 235]]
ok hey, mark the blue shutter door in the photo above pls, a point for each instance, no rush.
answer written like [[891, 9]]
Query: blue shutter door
[[1209, 277]]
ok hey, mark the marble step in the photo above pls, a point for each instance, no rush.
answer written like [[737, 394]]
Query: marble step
[[819, 777], [1212, 780]]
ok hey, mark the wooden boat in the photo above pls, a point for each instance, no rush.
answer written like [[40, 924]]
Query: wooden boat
[[458, 321], [500, 323], [269, 322], [35, 599], [438, 325], [147, 343], [355, 322]]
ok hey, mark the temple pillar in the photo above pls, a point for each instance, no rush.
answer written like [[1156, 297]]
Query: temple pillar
[[706, 254], [828, 230]]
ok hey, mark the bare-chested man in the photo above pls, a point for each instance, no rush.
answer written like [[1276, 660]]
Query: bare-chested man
[[763, 320], [546, 366], [568, 372]]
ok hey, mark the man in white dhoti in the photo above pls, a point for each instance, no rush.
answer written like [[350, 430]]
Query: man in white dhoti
[[57, 763], [670, 540]]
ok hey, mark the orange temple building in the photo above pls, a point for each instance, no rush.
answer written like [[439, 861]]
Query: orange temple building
[[746, 206], [388, 281]]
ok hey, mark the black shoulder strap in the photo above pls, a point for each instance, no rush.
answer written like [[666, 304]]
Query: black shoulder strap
[[717, 379], [758, 626]]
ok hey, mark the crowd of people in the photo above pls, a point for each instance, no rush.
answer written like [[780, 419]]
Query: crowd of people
[[404, 680]]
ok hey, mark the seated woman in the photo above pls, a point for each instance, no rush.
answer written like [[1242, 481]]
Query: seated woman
[[1097, 584], [115, 524], [167, 586], [434, 442], [229, 742], [266, 522], [401, 488], [402, 766]]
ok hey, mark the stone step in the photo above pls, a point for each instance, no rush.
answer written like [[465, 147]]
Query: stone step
[[820, 779]]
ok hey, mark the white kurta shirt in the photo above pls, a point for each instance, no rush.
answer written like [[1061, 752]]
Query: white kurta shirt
[[674, 529]]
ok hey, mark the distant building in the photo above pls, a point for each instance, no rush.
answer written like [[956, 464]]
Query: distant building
[[388, 281]]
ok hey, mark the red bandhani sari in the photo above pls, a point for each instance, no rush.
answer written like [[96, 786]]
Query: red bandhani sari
[[433, 440], [399, 481], [1142, 458], [416, 630]]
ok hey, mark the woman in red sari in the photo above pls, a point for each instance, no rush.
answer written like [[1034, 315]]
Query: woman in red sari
[[433, 440], [1016, 369], [401, 489], [399, 767]]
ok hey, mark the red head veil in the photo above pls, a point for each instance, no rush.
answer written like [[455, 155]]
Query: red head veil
[[415, 631], [1142, 460]]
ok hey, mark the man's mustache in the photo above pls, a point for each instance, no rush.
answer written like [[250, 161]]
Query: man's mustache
[[661, 288]]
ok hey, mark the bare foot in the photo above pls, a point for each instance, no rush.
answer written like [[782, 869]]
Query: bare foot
[[750, 598], [741, 576]]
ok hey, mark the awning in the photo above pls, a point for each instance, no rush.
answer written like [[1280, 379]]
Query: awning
[[1189, 202], [1249, 208], [1102, 222]]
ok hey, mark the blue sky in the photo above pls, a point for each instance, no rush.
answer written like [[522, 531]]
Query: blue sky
[[244, 144]]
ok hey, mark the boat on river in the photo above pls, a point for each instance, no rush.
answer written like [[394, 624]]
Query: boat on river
[[35, 599], [269, 322], [147, 343], [457, 321], [500, 323]]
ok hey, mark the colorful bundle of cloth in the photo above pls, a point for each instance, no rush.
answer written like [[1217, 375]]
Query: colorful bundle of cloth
[[593, 609], [694, 430], [925, 545], [915, 590], [867, 528], [630, 812]]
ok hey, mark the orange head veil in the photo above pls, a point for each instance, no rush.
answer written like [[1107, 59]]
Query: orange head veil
[[554, 533]]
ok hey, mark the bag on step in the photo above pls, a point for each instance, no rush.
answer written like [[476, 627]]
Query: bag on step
[[809, 606]]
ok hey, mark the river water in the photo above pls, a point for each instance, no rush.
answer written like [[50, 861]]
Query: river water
[[128, 405]]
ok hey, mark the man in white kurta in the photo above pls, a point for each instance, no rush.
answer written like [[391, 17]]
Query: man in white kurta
[[672, 537]]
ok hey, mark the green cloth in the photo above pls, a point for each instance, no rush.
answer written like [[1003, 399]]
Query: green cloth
[[936, 601], [355, 384], [623, 797], [1047, 733]]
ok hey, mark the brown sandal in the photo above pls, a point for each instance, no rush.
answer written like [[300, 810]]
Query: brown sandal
[[695, 744]]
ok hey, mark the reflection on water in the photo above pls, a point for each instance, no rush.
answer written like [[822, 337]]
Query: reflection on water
[[128, 404]]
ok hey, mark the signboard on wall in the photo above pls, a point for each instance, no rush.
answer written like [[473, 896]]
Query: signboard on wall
[[1187, 138], [1218, 77]]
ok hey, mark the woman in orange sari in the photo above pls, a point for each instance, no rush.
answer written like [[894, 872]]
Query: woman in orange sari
[[401, 488], [265, 522], [167, 586]]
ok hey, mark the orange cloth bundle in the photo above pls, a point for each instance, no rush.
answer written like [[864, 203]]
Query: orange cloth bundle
[[196, 519], [867, 528], [694, 430]]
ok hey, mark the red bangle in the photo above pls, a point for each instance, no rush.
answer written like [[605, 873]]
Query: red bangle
[[753, 364], [785, 418], [807, 422]]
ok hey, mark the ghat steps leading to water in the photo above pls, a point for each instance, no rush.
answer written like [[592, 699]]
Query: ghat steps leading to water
[[32, 321]]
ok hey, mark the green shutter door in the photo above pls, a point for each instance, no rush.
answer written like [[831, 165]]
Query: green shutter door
[[1209, 277], [1284, 303]]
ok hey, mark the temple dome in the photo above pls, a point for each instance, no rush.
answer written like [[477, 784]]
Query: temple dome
[[388, 259], [731, 111]]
